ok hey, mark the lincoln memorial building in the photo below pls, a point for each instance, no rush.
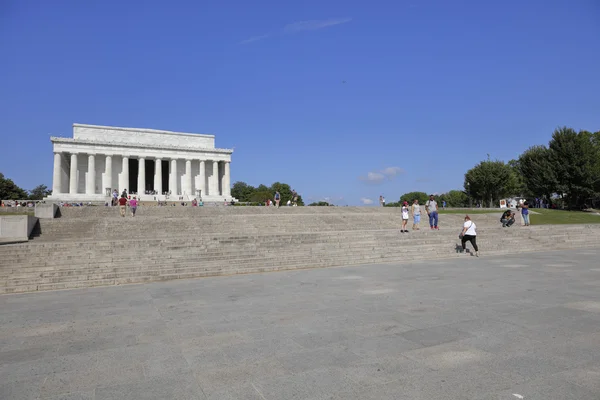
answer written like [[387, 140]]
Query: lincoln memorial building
[[153, 164]]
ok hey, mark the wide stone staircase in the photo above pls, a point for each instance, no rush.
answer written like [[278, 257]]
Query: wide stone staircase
[[94, 246]]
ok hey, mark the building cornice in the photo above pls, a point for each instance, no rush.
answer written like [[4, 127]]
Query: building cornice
[[55, 139], [118, 128]]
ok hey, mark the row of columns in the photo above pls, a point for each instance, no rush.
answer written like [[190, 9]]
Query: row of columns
[[90, 183]]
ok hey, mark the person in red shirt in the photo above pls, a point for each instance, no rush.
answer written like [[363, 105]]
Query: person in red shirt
[[122, 205]]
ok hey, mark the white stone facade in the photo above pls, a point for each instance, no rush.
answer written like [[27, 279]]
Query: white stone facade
[[99, 159]]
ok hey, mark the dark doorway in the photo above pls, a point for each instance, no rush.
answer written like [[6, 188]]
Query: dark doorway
[[149, 183], [133, 174], [165, 176]]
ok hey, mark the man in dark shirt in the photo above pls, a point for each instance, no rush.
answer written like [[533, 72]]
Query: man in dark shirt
[[507, 219], [122, 205]]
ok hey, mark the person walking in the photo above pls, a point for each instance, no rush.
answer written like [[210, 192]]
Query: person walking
[[277, 198], [133, 203], [122, 205], [525, 213], [432, 211], [404, 217], [469, 234], [415, 208]]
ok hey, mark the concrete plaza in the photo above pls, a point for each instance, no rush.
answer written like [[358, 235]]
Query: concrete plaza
[[464, 328]]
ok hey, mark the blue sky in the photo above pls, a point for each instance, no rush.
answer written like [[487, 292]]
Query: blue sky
[[344, 100]]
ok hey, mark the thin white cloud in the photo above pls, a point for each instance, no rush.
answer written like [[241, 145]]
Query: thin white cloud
[[366, 201], [314, 24], [376, 177], [373, 177], [295, 27], [254, 39], [392, 171]]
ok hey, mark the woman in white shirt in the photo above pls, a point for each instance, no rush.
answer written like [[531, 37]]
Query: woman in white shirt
[[469, 234]]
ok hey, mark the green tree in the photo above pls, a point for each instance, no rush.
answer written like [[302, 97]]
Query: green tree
[[491, 181], [242, 191], [410, 197], [537, 172], [520, 188], [455, 198], [260, 196], [39, 192], [284, 191], [575, 160], [10, 191], [320, 204], [247, 193]]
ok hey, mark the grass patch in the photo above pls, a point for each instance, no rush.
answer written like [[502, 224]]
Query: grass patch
[[557, 217], [470, 212]]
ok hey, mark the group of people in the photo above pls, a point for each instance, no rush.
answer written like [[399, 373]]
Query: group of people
[[123, 202], [431, 208], [508, 217], [293, 202], [467, 234], [17, 203]]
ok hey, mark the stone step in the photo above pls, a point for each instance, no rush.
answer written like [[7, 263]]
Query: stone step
[[91, 246], [112, 252], [195, 273], [132, 262], [72, 251]]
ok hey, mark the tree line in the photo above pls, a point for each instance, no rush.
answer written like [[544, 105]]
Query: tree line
[[567, 171], [10, 191], [256, 195], [453, 198]]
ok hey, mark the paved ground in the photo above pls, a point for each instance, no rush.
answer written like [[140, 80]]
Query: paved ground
[[487, 328]]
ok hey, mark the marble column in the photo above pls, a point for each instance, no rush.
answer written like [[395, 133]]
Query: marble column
[[188, 177], [141, 180], [213, 182], [202, 178], [73, 175], [227, 179], [57, 175], [90, 179], [158, 176], [173, 177], [125, 175], [108, 182]]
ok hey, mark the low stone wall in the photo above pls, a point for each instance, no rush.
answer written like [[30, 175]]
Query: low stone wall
[[16, 228], [46, 210]]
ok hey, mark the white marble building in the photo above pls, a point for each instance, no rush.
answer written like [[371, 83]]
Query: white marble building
[[99, 159]]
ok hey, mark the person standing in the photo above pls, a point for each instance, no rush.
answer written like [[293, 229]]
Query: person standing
[[432, 211], [277, 198], [383, 202], [525, 213], [415, 208], [133, 203], [404, 217], [122, 205], [380, 201], [469, 234]]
